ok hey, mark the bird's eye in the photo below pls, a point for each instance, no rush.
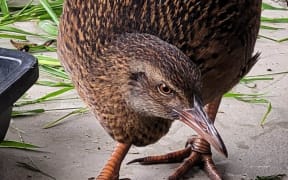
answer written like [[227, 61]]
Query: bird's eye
[[164, 89]]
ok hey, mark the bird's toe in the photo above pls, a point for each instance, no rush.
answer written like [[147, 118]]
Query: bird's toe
[[196, 152]]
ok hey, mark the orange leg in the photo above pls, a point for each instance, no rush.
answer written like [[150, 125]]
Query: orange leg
[[197, 151], [212, 108], [112, 167]]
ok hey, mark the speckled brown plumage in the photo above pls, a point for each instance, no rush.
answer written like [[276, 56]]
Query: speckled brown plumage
[[196, 47]]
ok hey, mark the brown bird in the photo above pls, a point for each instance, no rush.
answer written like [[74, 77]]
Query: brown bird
[[140, 65]]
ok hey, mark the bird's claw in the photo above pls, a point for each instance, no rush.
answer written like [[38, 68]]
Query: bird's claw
[[197, 151]]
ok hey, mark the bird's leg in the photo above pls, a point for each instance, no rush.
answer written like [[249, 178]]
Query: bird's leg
[[112, 167], [196, 152]]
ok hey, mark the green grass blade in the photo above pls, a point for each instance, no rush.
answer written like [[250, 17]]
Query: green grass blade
[[282, 40], [270, 27], [24, 113], [45, 97], [54, 84], [253, 79], [41, 48], [55, 93], [50, 11], [13, 36], [31, 12], [49, 27], [48, 61], [23, 9], [233, 95], [19, 31], [269, 74], [18, 145], [274, 20], [264, 118], [60, 120], [254, 100], [272, 39], [4, 8], [266, 6], [55, 72]]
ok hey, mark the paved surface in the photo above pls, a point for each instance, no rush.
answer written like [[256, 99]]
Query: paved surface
[[78, 148]]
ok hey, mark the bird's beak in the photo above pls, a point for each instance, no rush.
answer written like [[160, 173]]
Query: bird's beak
[[197, 119]]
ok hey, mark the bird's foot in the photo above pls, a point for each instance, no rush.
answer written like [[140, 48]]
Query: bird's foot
[[197, 152], [111, 169]]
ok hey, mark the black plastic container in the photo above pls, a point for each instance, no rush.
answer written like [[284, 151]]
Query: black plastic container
[[18, 72]]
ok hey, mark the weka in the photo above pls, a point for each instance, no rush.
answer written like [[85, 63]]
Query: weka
[[140, 65]]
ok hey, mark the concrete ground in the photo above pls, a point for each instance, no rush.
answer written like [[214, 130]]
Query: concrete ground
[[78, 148]]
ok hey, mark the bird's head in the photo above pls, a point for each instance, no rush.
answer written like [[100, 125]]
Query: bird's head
[[163, 82]]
